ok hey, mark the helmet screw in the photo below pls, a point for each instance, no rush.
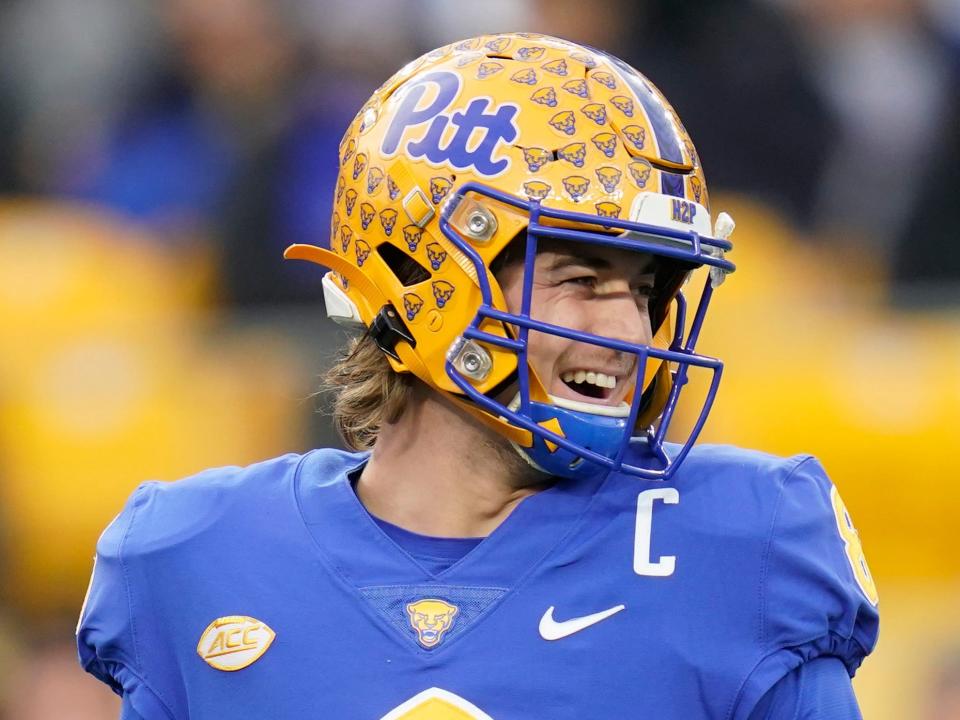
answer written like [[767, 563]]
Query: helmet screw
[[477, 223], [471, 359], [471, 362]]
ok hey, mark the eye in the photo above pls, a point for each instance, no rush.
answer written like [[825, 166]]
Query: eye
[[643, 290], [589, 281]]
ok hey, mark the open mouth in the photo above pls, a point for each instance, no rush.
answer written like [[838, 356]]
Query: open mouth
[[590, 384]]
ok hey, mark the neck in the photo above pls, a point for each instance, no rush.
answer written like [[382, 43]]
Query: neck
[[437, 472]]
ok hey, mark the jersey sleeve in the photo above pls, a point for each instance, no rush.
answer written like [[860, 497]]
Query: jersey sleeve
[[106, 632], [817, 598], [816, 689]]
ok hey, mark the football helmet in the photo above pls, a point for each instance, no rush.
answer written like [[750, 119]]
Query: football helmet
[[507, 137]]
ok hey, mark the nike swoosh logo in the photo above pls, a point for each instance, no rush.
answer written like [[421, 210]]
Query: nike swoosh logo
[[550, 629]]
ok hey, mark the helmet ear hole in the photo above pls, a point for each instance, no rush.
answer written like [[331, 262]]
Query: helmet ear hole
[[407, 270]]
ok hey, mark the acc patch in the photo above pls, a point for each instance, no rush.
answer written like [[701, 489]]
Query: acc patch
[[233, 642]]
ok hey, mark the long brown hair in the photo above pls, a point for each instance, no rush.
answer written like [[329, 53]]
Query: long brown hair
[[366, 392]]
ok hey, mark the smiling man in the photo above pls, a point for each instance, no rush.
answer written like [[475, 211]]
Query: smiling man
[[514, 537]]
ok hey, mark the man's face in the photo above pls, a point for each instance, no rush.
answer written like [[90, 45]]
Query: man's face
[[600, 290]]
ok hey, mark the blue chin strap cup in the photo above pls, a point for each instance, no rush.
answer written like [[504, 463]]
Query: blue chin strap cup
[[574, 439], [599, 434]]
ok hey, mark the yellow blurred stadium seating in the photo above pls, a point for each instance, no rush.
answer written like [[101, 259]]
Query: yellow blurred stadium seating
[[114, 370]]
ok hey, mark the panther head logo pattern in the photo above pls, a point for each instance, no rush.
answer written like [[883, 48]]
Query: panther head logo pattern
[[564, 122], [596, 112], [442, 292], [412, 234], [576, 186], [606, 143], [609, 177], [536, 189], [436, 255], [388, 218], [536, 158], [545, 96], [577, 87], [574, 153], [367, 213], [640, 171]]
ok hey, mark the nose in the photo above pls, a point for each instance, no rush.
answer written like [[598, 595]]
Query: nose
[[618, 315]]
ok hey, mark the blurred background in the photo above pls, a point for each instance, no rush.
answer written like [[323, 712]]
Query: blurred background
[[157, 156]]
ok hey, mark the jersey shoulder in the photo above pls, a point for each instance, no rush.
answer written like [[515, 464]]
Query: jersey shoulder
[[816, 595], [170, 529], [160, 516]]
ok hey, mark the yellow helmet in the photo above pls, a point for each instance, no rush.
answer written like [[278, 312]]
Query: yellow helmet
[[471, 146]]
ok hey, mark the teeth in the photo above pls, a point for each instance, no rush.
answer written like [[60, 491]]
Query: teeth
[[594, 378]]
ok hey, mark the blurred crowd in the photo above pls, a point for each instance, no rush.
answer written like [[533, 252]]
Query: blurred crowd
[[157, 156], [213, 123]]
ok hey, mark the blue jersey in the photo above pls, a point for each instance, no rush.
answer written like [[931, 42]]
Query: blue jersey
[[269, 591]]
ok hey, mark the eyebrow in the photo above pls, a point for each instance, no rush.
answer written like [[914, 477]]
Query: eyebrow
[[595, 263]]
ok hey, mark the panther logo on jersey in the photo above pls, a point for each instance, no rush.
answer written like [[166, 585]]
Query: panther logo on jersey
[[431, 619]]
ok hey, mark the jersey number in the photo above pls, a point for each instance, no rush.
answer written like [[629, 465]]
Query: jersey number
[[853, 548]]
